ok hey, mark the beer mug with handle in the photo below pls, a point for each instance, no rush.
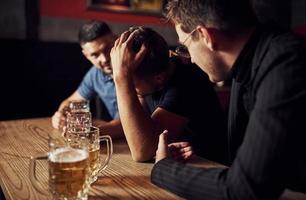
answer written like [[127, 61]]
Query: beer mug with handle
[[95, 156], [68, 170]]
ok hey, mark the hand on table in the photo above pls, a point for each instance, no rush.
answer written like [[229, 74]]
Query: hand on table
[[179, 151]]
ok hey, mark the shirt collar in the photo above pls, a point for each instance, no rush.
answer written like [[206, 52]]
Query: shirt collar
[[106, 77]]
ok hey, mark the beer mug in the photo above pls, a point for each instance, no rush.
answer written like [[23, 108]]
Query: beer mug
[[79, 106], [78, 116], [95, 157], [78, 122], [68, 170]]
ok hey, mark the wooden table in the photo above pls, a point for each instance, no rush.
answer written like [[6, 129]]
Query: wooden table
[[19, 139], [123, 178]]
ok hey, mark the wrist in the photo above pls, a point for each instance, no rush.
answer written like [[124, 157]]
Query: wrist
[[122, 77]]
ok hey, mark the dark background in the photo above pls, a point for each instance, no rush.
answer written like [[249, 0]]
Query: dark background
[[37, 76]]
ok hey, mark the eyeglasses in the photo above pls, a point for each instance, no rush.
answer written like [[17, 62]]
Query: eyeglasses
[[182, 49]]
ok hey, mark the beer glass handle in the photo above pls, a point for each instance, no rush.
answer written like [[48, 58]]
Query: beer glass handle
[[109, 146], [33, 178]]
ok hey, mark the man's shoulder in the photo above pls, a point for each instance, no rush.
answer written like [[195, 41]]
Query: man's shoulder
[[277, 50], [282, 39], [190, 74], [94, 70], [91, 71], [275, 45], [189, 81]]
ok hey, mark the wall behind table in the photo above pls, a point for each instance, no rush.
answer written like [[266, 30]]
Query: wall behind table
[[64, 18], [37, 76]]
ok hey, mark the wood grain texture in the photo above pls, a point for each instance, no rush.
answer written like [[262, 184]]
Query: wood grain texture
[[122, 179], [21, 139]]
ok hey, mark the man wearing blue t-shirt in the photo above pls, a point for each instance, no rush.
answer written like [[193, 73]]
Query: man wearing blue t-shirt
[[96, 40]]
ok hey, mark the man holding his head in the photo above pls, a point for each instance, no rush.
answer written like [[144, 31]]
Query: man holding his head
[[156, 93], [268, 101], [96, 40]]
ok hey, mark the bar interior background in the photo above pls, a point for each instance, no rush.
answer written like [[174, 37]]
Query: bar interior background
[[41, 62]]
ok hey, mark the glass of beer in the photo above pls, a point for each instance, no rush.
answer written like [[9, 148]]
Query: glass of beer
[[97, 159], [68, 170]]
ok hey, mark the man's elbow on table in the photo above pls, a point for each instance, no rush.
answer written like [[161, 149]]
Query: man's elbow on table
[[142, 155]]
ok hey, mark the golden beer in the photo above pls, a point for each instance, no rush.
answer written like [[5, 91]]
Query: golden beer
[[93, 138], [94, 160], [68, 173]]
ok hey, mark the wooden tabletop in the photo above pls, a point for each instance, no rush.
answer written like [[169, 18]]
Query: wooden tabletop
[[20, 139], [122, 179]]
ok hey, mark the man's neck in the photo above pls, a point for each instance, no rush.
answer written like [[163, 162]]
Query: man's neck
[[231, 47], [236, 45]]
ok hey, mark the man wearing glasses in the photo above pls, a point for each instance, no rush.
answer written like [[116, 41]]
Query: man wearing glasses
[[157, 93], [268, 101]]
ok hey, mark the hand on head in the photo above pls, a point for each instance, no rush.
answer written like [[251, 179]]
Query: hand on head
[[123, 58]]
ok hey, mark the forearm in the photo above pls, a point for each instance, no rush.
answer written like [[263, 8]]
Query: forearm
[[201, 183], [258, 172], [112, 128], [139, 128], [64, 104], [190, 182]]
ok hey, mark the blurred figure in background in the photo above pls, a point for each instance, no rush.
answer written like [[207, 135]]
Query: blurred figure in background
[[157, 93], [96, 40], [268, 101]]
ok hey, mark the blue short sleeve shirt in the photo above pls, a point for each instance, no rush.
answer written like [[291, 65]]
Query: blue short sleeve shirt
[[98, 83]]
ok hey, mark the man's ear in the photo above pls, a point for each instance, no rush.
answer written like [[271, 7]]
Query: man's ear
[[207, 36]]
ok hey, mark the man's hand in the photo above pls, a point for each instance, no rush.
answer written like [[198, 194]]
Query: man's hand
[[59, 120], [179, 151], [123, 58], [162, 149]]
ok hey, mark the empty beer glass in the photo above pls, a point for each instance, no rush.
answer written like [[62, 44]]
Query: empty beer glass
[[78, 116], [68, 170], [97, 164], [79, 106]]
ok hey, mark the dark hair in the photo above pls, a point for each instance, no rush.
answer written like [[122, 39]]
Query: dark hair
[[224, 15], [156, 59], [92, 30]]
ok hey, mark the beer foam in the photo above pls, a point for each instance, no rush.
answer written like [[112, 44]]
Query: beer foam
[[68, 155]]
